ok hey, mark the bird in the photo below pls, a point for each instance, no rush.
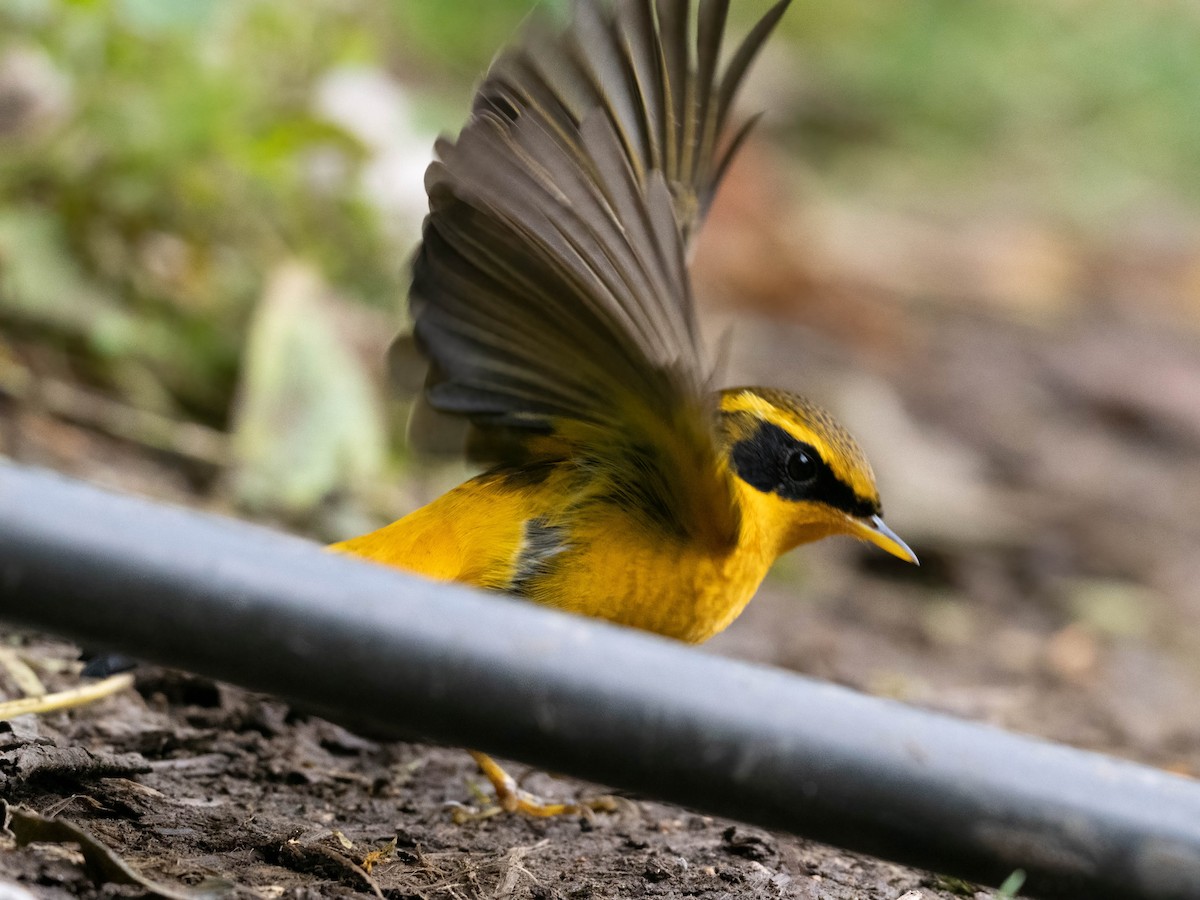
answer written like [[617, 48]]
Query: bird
[[551, 298]]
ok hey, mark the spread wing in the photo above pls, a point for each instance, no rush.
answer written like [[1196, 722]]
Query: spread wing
[[550, 293], [653, 72]]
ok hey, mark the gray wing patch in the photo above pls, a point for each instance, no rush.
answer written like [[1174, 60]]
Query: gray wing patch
[[540, 544]]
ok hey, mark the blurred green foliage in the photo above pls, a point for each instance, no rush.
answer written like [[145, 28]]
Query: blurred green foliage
[[1082, 108], [148, 215], [459, 38]]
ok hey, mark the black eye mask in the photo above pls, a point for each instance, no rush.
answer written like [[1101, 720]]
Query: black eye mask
[[774, 462]]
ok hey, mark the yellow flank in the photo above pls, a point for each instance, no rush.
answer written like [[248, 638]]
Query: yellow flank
[[607, 563], [471, 534]]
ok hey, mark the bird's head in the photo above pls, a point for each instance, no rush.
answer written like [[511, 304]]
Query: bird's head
[[799, 475]]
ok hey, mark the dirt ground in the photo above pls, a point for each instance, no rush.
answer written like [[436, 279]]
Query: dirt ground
[[1041, 459], [236, 795]]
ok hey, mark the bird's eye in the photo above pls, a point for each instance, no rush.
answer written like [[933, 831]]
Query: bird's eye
[[801, 467]]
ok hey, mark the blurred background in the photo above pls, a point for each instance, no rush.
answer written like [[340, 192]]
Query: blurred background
[[971, 228]]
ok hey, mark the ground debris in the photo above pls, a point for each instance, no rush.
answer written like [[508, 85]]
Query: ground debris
[[325, 858], [742, 842], [380, 855], [40, 761], [102, 863]]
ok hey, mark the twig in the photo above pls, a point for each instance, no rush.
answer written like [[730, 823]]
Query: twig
[[514, 868], [26, 679], [80, 696], [103, 863]]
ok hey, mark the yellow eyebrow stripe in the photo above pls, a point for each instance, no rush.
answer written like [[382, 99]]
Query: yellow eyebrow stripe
[[812, 425]]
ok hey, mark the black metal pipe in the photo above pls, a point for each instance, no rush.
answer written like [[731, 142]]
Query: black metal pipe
[[406, 656]]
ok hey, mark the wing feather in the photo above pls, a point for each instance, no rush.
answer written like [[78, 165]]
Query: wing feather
[[550, 292]]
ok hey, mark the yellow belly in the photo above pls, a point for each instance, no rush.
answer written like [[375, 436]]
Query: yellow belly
[[610, 565]]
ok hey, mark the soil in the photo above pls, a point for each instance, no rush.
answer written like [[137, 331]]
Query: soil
[[1040, 470], [205, 786]]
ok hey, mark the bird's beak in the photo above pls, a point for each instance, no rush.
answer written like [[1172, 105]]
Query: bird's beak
[[874, 530]]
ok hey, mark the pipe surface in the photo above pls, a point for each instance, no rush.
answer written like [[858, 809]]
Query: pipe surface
[[405, 656]]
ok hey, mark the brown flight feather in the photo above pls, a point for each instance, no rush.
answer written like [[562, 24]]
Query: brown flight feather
[[550, 292]]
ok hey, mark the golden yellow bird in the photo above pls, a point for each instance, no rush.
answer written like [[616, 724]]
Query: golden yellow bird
[[551, 297]]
